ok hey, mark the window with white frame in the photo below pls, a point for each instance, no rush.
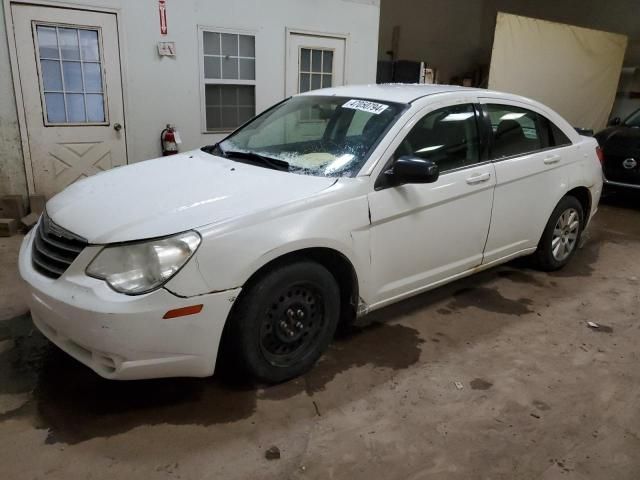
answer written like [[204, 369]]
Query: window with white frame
[[229, 79]]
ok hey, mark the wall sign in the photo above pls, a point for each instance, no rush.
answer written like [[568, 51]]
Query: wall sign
[[162, 9]]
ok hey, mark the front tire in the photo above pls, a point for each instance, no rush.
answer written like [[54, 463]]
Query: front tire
[[284, 321], [561, 236]]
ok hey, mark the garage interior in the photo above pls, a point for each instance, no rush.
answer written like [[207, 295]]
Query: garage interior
[[499, 375]]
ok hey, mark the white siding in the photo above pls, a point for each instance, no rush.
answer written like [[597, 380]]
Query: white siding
[[165, 90]]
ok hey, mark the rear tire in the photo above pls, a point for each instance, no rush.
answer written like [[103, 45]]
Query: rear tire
[[561, 236], [284, 321]]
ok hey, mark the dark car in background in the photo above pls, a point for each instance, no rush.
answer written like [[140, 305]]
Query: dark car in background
[[620, 144]]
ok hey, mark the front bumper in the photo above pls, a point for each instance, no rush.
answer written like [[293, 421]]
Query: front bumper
[[124, 337]]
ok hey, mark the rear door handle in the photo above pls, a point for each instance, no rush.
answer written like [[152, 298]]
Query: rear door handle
[[551, 159], [479, 178]]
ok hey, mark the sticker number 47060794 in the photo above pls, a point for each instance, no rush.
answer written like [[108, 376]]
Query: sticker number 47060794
[[366, 106]]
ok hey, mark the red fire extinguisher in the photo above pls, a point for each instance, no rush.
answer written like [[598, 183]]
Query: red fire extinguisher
[[168, 141]]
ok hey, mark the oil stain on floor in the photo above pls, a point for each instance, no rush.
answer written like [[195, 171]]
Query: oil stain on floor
[[489, 299], [74, 404]]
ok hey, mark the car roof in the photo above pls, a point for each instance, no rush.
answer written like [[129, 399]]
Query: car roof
[[391, 92]]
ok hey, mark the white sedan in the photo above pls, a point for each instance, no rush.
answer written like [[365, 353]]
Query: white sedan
[[329, 205]]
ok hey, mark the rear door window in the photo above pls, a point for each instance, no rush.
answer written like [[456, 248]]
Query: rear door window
[[518, 131]]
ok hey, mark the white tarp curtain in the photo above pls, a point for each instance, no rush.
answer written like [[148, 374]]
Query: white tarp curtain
[[571, 69]]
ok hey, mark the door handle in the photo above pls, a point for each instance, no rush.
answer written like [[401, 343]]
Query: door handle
[[117, 127], [551, 159], [479, 178]]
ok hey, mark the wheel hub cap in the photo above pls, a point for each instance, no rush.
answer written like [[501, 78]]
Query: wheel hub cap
[[291, 325], [565, 234]]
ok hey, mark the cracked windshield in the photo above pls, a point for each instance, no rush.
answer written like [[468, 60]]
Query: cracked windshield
[[314, 135]]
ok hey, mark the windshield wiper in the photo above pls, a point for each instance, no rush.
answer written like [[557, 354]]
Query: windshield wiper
[[273, 163]]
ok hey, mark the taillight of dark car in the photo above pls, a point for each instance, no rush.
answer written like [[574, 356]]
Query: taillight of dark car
[[600, 155]]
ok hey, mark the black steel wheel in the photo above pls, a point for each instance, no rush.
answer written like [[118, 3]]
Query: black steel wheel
[[284, 320]]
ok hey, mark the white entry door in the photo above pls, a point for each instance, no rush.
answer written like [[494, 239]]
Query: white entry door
[[314, 62], [71, 88]]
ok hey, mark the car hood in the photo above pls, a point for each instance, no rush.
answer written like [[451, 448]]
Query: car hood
[[620, 140], [173, 194]]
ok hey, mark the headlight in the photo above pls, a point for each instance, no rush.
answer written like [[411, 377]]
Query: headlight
[[141, 267]]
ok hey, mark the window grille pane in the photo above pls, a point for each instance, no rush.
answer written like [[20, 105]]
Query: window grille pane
[[211, 67], [326, 81], [229, 44], [230, 68], [211, 43], [55, 107], [95, 108], [51, 76], [316, 81], [89, 45], [92, 77], [327, 61], [68, 38], [228, 106], [316, 60], [305, 60], [47, 42], [75, 107], [246, 96], [229, 117], [72, 76], [247, 69], [305, 82], [247, 46]]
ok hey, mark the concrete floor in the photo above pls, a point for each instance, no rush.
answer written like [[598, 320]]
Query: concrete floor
[[543, 396]]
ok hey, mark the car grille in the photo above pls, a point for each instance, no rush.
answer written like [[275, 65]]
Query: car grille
[[616, 172], [54, 248]]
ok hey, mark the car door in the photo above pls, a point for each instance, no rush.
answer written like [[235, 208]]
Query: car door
[[531, 156], [422, 234]]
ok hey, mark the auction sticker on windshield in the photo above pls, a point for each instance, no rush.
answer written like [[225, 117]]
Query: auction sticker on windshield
[[366, 106]]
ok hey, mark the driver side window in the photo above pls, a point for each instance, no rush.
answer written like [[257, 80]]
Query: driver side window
[[447, 136]]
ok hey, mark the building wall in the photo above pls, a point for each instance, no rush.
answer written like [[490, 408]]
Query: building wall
[[161, 90], [455, 37], [12, 175]]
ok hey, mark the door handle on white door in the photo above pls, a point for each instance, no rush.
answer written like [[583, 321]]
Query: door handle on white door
[[117, 127], [479, 178], [551, 159]]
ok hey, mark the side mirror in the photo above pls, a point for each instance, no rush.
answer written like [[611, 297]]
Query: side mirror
[[615, 121], [410, 169]]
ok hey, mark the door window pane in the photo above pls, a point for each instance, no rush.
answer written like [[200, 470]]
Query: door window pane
[[72, 76], [89, 45], [92, 77], [516, 131], [68, 39], [47, 42], [55, 107], [315, 69], [448, 137], [75, 107], [51, 76], [227, 106], [95, 107], [72, 81]]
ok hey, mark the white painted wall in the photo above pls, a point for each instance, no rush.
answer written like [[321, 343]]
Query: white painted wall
[[12, 175], [167, 90]]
